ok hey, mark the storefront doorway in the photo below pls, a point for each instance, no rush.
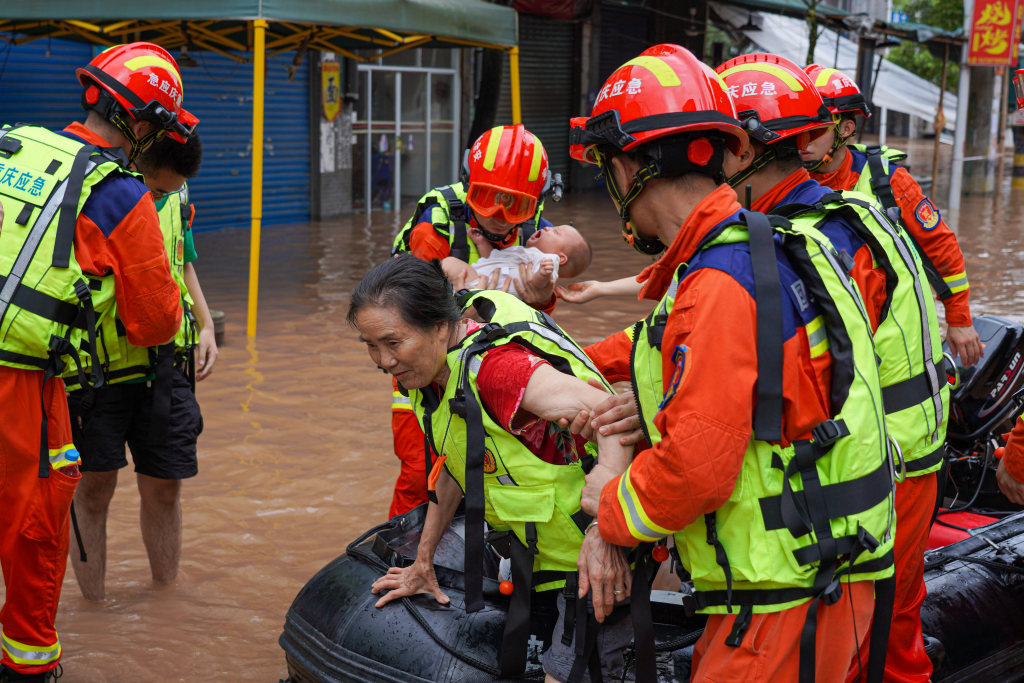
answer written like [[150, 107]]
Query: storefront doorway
[[406, 140]]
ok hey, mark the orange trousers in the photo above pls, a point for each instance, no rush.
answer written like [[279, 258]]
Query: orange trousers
[[34, 531], [411, 487], [905, 659], [770, 651]]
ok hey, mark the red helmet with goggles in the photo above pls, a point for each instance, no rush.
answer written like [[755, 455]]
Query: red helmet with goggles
[[776, 101], [137, 82], [668, 106], [840, 93], [508, 173]]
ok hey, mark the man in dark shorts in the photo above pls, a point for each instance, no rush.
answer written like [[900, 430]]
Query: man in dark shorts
[[124, 412]]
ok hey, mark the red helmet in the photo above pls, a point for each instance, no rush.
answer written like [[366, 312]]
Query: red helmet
[[508, 173], [838, 90], [140, 81], [775, 98], [671, 107]]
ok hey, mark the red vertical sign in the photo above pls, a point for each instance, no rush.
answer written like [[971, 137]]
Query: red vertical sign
[[995, 33]]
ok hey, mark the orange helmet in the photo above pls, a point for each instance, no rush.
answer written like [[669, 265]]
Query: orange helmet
[[507, 170], [838, 90], [776, 101], [668, 106], [138, 81]]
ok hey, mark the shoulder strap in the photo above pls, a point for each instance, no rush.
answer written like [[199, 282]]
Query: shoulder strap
[[458, 218], [768, 293], [880, 179]]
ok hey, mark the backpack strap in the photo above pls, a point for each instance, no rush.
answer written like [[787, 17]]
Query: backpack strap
[[768, 293], [457, 215]]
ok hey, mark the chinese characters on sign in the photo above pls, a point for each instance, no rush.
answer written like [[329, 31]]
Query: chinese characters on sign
[[330, 75], [995, 32]]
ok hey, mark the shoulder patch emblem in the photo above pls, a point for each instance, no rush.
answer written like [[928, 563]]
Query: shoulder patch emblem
[[927, 215], [490, 464]]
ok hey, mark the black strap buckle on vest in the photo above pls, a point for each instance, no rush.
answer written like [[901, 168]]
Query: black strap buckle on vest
[[740, 626], [9, 146], [721, 558], [656, 330], [847, 261], [828, 432], [569, 592], [457, 216]]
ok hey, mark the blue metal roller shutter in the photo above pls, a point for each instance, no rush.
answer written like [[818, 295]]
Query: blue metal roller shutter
[[44, 91]]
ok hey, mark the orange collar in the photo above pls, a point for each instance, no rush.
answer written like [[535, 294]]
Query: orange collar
[[711, 211], [89, 136], [773, 197], [843, 178]]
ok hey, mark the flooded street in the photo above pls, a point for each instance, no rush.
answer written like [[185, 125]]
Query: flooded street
[[296, 458]]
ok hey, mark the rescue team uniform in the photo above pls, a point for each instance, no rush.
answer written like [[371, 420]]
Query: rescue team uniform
[[434, 232], [872, 171], [111, 229], [160, 427], [916, 407], [1013, 455], [522, 475], [728, 496]]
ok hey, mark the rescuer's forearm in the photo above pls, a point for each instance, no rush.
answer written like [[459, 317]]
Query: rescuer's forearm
[[199, 308]]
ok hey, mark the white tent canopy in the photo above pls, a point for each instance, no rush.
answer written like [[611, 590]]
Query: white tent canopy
[[896, 88]]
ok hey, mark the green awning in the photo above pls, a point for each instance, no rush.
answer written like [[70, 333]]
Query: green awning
[[362, 23]]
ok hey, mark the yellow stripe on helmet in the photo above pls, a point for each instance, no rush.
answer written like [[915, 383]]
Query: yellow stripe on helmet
[[823, 77], [777, 71], [136, 63], [662, 71], [538, 155], [721, 82], [492, 147]]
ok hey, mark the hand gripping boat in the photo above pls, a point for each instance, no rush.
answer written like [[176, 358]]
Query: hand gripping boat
[[973, 617]]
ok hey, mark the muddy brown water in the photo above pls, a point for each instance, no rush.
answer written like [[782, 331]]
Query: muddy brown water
[[296, 458]]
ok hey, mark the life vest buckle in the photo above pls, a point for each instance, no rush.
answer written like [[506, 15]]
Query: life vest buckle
[[9, 146], [457, 404], [826, 433]]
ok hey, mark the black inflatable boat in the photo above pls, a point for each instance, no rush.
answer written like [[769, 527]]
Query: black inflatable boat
[[973, 617]]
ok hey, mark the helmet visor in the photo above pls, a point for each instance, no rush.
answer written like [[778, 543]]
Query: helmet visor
[[488, 200]]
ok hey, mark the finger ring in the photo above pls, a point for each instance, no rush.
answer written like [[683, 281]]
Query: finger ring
[[618, 592]]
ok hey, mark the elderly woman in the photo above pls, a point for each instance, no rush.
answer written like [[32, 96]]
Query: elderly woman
[[490, 398]]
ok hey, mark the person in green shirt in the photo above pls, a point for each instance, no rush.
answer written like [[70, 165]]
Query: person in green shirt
[[125, 410]]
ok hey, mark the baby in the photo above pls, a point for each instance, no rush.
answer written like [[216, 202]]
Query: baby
[[550, 252]]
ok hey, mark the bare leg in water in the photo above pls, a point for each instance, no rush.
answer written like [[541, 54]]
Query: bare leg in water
[[160, 519], [92, 501]]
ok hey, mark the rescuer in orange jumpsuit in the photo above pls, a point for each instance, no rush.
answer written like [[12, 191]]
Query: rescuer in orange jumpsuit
[[117, 230]]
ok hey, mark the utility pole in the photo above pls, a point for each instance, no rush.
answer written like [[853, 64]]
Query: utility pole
[[956, 173]]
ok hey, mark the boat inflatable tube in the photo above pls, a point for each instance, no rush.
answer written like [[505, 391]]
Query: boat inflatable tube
[[973, 617]]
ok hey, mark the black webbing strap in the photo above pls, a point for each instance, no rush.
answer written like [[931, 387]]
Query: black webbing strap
[[881, 620], [475, 447], [84, 294], [927, 461], [882, 187], [78, 534], [516, 638], [457, 217], [430, 401], [906, 394], [162, 389], [569, 592], [42, 304], [69, 208], [643, 621], [768, 293], [721, 558], [588, 657]]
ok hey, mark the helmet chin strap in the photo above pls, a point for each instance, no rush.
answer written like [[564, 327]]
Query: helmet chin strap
[[837, 143], [648, 246], [137, 144], [756, 165]]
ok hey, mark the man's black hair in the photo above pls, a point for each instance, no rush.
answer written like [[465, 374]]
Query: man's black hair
[[182, 159]]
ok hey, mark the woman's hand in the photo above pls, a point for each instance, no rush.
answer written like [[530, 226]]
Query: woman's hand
[[603, 567], [618, 415], [579, 292], [1011, 488], [404, 582], [206, 353]]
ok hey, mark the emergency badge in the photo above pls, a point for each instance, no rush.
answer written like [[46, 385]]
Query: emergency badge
[[678, 374], [927, 215]]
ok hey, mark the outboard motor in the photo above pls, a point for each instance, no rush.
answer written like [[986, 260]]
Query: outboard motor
[[984, 406]]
